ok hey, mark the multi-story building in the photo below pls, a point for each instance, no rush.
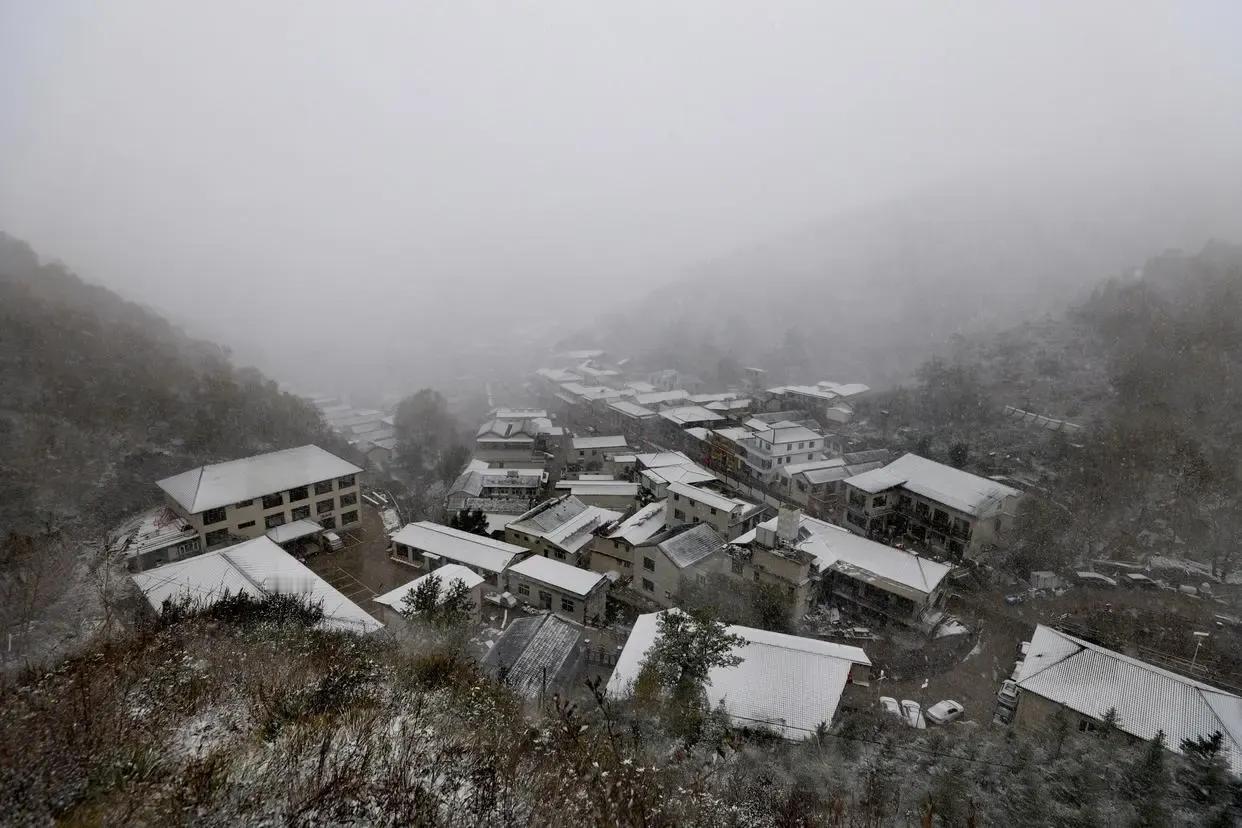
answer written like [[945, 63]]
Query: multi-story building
[[517, 443], [784, 443], [577, 594], [495, 491], [247, 498], [593, 452], [930, 505], [729, 516], [816, 486], [771, 554], [674, 553], [612, 549]]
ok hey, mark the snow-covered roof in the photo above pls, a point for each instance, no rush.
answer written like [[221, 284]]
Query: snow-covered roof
[[894, 570], [641, 387], [661, 397], [849, 389], [473, 481], [587, 488], [631, 409], [455, 545], [257, 567], [448, 573], [691, 474], [156, 528], [690, 415], [560, 575], [729, 404], [1091, 679], [687, 545], [566, 521], [787, 683], [788, 434], [955, 488], [614, 441], [641, 525], [715, 500], [558, 375], [221, 484], [292, 531], [660, 459], [519, 413]]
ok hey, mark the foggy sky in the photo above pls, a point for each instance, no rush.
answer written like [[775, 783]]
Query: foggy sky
[[264, 172]]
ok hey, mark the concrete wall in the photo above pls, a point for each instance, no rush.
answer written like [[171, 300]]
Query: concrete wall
[[546, 596]]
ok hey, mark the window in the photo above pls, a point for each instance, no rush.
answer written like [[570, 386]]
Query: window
[[922, 510], [626, 564], [679, 514], [323, 487], [713, 510], [300, 513], [245, 525], [213, 516], [649, 564], [567, 605], [242, 504], [1086, 726], [349, 499], [524, 589], [878, 501], [300, 493], [272, 521], [328, 522], [648, 586], [560, 554], [737, 566], [349, 517], [345, 482], [273, 500], [756, 577], [217, 537], [323, 506]]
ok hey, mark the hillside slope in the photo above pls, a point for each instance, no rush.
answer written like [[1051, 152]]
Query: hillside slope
[[99, 397], [868, 295]]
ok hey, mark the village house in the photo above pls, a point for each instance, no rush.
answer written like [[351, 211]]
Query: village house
[[259, 568], [729, 516], [305, 489], [654, 481], [537, 657], [629, 418], [1085, 681], [819, 562], [931, 505], [612, 550], [592, 452], [517, 443], [816, 486], [393, 603], [579, 595], [560, 528], [430, 545], [782, 444], [674, 553], [785, 684], [495, 491]]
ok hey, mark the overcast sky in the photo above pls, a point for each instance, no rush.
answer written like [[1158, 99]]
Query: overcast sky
[[258, 166]]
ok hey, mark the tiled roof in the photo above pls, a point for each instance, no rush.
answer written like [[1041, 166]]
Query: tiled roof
[[535, 654]]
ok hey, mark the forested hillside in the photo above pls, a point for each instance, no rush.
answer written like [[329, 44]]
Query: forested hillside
[[1150, 364], [99, 397]]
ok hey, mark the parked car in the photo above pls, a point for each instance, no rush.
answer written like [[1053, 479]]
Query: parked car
[[333, 541], [913, 714], [1016, 598], [890, 706], [1003, 715], [943, 712], [1008, 694]]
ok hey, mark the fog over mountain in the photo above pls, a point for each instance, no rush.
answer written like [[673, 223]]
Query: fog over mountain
[[367, 198]]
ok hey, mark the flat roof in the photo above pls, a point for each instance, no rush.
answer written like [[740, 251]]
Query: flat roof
[[560, 575], [292, 531], [222, 484], [690, 414], [609, 441]]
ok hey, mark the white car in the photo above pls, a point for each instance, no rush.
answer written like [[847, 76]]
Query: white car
[[1008, 694], [890, 706], [943, 712], [913, 714], [333, 541]]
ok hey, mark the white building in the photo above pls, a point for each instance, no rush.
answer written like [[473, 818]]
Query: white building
[[257, 567], [785, 683], [560, 528], [729, 516], [577, 594], [247, 498]]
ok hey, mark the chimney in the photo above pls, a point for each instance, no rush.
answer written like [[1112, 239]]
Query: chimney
[[787, 521]]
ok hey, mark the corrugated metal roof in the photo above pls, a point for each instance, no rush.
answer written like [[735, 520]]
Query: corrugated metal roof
[[1091, 679], [447, 575], [691, 545], [534, 653]]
